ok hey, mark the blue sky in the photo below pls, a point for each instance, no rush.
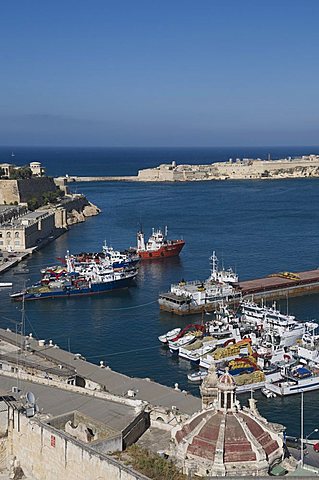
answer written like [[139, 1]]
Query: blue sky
[[159, 73]]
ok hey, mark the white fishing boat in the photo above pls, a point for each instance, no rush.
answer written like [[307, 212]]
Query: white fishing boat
[[196, 296], [295, 380], [185, 340], [277, 328], [197, 376], [268, 393], [166, 337], [252, 312], [196, 350]]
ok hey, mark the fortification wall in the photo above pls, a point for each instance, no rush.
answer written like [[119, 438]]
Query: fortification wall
[[46, 453], [244, 169], [9, 192], [22, 190], [35, 187]]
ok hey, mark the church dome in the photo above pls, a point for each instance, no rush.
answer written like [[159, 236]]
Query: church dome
[[224, 439], [228, 443], [226, 380]]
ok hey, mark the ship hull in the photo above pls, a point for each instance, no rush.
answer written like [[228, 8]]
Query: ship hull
[[95, 289], [170, 250]]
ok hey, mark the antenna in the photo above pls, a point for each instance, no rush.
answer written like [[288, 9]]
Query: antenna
[[31, 408], [30, 398]]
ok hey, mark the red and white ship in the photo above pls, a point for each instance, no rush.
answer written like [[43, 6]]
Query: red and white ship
[[157, 245]]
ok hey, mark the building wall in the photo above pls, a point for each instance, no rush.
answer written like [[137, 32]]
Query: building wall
[[46, 453], [42, 229], [20, 237]]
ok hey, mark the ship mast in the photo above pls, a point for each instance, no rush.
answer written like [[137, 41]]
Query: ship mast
[[214, 266]]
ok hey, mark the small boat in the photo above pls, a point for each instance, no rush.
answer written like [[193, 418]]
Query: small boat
[[268, 393], [174, 346], [166, 337], [23, 271], [157, 246], [197, 376], [5, 284]]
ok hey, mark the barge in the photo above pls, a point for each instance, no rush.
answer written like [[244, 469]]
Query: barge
[[189, 298], [280, 285]]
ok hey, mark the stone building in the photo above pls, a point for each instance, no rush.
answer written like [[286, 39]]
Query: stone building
[[224, 439], [37, 169], [27, 230], [6, 169]]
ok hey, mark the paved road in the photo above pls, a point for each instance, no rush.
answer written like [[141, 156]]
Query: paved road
[[310, 456]]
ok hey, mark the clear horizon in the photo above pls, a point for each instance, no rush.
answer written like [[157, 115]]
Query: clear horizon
[[169, 74]]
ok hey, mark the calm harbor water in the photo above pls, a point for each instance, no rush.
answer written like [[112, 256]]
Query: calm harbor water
[[257, 227]]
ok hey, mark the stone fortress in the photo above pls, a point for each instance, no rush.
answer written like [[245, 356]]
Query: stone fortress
[[56, 208], [245, 169]]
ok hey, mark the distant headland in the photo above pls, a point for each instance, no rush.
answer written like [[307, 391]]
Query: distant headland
[[233, 169]]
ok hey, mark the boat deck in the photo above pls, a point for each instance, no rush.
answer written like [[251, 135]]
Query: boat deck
[[278, 286]]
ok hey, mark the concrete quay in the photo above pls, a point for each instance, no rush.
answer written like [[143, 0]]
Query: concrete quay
[[96, 378], [82, 411]]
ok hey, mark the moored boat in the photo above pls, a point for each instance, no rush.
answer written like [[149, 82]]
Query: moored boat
[[166, 337], [268, 393], [157, 246], [197, 376], [69, 282]]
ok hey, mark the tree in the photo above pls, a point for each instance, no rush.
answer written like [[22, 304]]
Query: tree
[[21, 173]]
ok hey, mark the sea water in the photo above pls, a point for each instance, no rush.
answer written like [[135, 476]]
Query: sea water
[[257, 227]]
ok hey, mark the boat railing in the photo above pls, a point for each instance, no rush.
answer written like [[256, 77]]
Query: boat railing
[[183, 284]]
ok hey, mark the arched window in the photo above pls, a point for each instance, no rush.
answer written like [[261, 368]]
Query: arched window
[[8, 234], [17, 234]]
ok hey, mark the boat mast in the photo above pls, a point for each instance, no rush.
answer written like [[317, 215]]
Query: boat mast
[[214, 266]]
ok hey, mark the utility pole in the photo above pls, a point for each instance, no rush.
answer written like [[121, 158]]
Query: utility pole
[[301, 430]]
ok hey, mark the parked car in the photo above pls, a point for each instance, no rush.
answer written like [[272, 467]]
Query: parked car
[[294, 442], [316, 447]]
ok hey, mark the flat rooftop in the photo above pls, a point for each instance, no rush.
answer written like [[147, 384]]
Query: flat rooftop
[[113, 382], [53, 402], [30, 217]]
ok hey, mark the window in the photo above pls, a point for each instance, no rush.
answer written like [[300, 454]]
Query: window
[[17, 242], [0, 234], [17, 234], [8, 234]]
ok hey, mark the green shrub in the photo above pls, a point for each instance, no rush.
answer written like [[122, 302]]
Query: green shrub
[[153, 465]]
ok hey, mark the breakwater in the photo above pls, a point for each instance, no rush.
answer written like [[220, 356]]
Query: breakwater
[[76, 178]]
